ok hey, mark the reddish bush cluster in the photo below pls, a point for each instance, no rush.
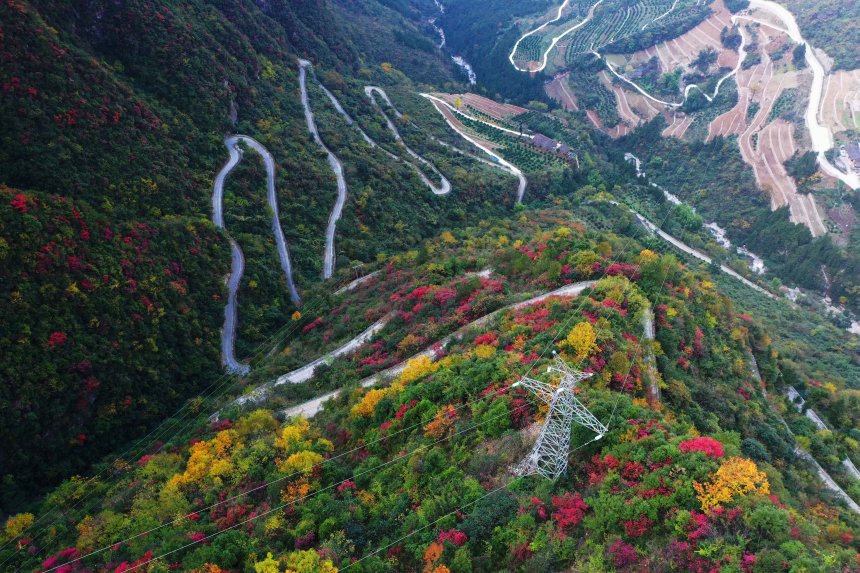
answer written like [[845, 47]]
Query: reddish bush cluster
[[698, 526], [622, 555], [599, 467], [709, 446], [306, 541], [405, 408], [625, 269], [490, 339], [21, 203], [632, 471], [458, 538], [637, 527], [540, 507], [57, 339], [346, 486], [570, 510], [316, 323]]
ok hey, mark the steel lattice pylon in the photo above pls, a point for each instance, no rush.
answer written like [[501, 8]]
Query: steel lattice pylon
[[549, 455]]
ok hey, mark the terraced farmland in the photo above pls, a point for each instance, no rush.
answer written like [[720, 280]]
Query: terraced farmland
[[616, 20], [513, 148]]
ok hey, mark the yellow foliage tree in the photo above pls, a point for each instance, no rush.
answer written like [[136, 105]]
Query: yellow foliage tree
[[17, 524], [307, 562], [736, 477], [209, 459], [292, 436], [485, 351], [207, 568], [267, 565], [296, 316], [417, 368], [582, 340], [303, 462], [647, 256], [367, 406]]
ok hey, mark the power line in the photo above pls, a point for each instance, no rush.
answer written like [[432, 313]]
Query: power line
[[159, 433], [555, 338]]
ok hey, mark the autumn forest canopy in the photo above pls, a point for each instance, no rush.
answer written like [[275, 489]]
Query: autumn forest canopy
[[183, 388]]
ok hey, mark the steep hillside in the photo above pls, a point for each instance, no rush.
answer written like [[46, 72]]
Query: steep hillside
[[119, 110], [413, 472]]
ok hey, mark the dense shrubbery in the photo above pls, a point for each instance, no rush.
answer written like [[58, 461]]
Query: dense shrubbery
[[123, 107], [106, 326], [421, 479]]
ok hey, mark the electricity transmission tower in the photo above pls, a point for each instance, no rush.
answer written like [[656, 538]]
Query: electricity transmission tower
[[549, 455]]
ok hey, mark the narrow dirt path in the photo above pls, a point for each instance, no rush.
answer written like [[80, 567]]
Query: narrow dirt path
[[650, 362]]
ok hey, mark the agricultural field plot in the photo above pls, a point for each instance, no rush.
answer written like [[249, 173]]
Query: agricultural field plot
[[615, 20], [486, 106], [599, 99], [765, 145], [539, 32], [774, 146], [674, 56], [517, 150], [683, 50], [749, 82], [840, 106], [619, 130], [681, 122], [454, 119], [560, 90]]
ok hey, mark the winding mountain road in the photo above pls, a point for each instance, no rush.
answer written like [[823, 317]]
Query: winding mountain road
[[306, 372], [821, 135], [510, 167], [445, 187], [554, 40], [688, 89], [228, 334], [336, 167], [312, 407]]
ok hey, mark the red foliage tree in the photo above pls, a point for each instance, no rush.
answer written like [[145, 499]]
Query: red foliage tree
[[709, 446], [570, 510]]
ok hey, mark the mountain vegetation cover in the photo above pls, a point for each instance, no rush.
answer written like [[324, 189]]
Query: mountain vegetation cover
[[379, 427]]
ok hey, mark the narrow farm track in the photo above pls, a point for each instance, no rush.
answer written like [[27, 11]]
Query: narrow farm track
[[557, 90], [841, 101], [767, 155], [336, 167], [820, 135], [228, 334]]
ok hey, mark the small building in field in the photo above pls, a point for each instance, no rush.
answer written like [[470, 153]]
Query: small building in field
[[543, 142], [853, 151]]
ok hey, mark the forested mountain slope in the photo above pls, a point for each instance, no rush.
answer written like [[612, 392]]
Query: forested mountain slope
[[113, 119], [697, 472]]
